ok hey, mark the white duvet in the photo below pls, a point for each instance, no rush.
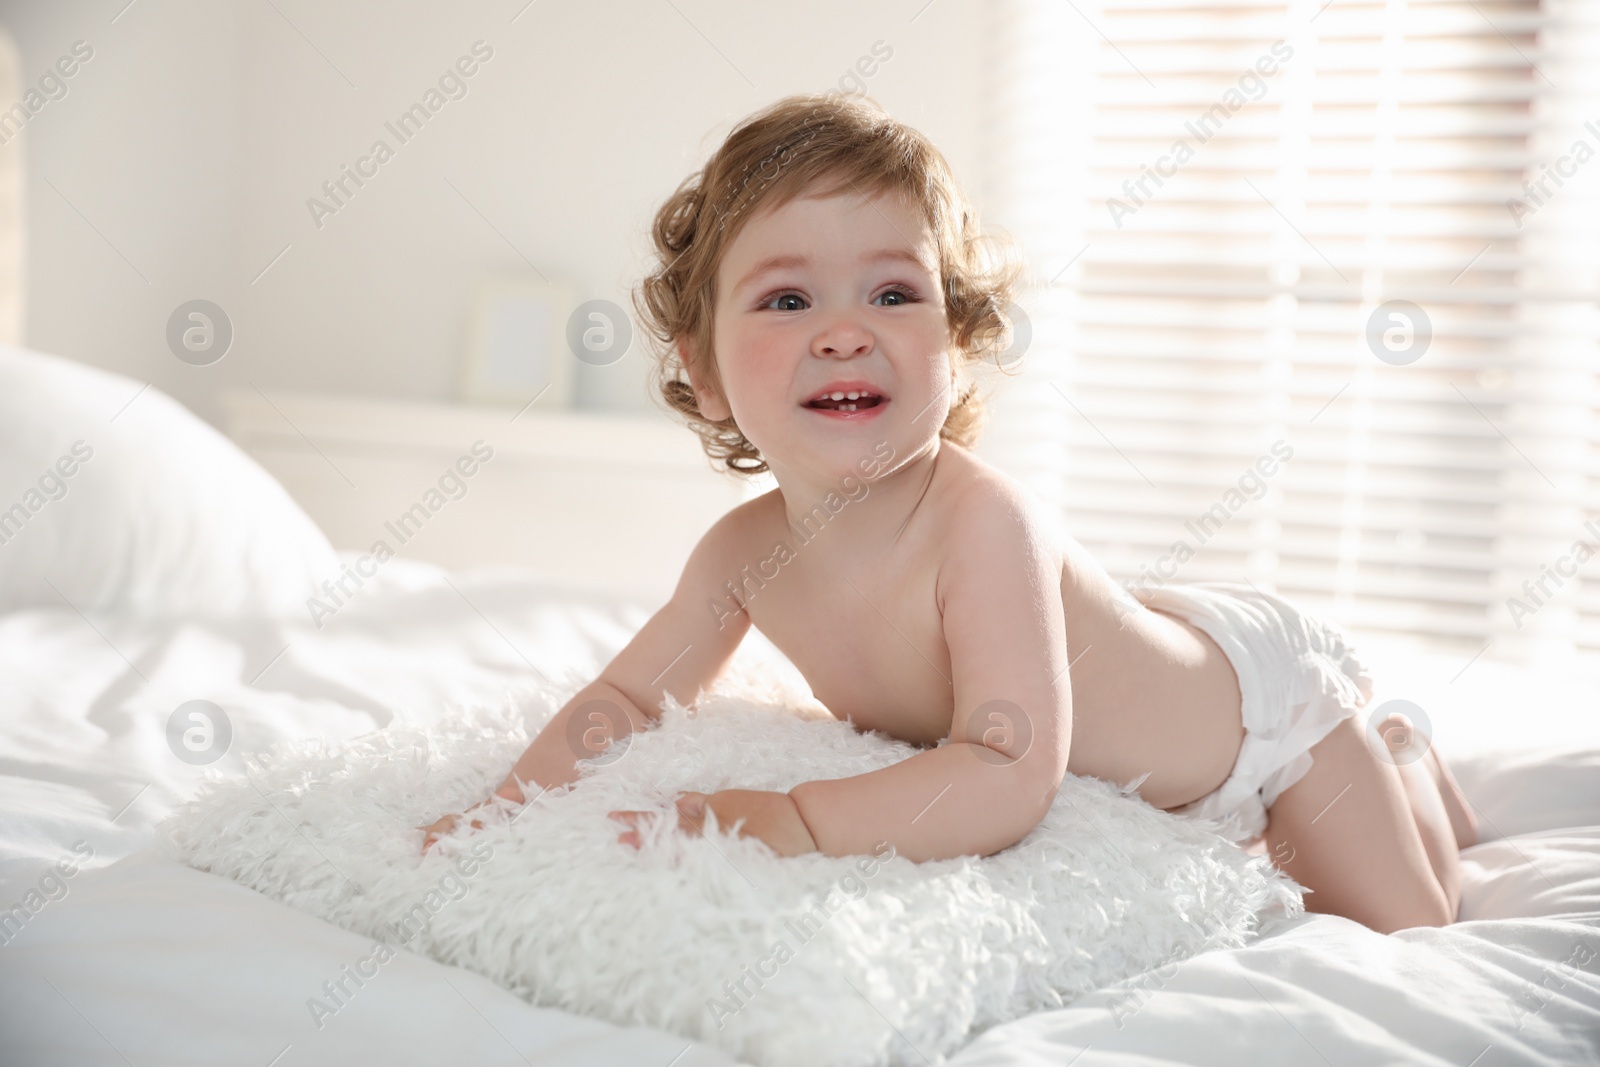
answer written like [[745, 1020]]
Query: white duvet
[[129, 959]]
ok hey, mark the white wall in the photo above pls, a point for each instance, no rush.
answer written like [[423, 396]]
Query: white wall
[[193, 138]]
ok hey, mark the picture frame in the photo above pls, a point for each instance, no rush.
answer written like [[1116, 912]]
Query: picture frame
[[516, 343]]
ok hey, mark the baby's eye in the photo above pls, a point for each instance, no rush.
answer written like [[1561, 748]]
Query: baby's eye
[[904, 292], [784, 296]]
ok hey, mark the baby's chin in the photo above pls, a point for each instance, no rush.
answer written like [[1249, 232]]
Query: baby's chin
[[862, 455]]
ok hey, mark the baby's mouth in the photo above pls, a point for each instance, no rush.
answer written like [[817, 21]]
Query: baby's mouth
[[860, 403]]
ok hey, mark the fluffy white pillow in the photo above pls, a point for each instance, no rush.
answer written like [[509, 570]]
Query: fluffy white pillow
[[138, 506], [684, 934]]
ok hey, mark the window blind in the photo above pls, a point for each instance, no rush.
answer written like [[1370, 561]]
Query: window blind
[[1310, 309]]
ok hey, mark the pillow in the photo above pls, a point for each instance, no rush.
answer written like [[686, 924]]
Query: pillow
[[120, 499], [805, 960], [1544, 874], [1528, 790]]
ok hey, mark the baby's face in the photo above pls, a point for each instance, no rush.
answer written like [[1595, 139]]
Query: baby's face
[[827, 292]]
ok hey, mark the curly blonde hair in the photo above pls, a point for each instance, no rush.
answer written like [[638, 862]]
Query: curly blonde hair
[[768, 160]]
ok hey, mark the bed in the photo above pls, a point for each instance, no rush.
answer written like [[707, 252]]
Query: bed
[[140, 960], [170, 568]]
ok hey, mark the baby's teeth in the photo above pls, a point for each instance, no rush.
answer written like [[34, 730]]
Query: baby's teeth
[[848, 407], [836, 396], [852, 395]]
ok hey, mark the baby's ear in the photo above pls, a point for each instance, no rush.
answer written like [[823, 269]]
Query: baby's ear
[[711, 406]]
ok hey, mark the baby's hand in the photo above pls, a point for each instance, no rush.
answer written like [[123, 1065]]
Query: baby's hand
[[772, 817], [436, 830]]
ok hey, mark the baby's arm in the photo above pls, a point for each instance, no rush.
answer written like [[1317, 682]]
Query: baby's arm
[[999, 591], [682, 649]]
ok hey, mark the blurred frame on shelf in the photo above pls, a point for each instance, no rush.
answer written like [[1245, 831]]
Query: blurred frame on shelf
[[516, 343]]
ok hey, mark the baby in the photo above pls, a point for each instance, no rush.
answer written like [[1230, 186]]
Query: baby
[[825, 288]]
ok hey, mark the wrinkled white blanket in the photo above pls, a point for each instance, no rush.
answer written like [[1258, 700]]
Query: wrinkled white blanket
[[107, 975], [813, 959]]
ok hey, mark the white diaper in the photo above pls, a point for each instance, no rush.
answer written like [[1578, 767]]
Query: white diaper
[[1299, 677]]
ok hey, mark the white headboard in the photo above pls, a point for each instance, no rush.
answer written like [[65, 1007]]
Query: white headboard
[[578, 498]]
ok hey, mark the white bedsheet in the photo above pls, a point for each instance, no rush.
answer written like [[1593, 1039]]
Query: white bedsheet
[[149, 962]]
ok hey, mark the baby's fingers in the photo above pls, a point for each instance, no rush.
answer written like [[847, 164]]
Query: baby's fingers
[[442, 826], [629, 836], [436, 830]]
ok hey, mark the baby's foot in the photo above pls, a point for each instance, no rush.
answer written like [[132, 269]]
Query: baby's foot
[[1402, 741]]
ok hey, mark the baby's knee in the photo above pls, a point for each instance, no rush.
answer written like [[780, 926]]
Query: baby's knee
[[1400, 738], [1431, 917], [1428, 906]]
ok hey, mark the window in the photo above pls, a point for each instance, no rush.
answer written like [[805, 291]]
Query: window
[[1223, 203]]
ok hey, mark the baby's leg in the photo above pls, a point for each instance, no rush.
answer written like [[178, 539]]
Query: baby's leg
[[1462, 820], [1351, 832]]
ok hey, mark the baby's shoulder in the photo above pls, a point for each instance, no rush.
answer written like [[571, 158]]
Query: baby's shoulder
[[728, 544], [748, 522], [997, 538], [982, 501]]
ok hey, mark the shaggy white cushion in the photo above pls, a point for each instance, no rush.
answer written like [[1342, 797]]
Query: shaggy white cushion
[[777, 961]]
